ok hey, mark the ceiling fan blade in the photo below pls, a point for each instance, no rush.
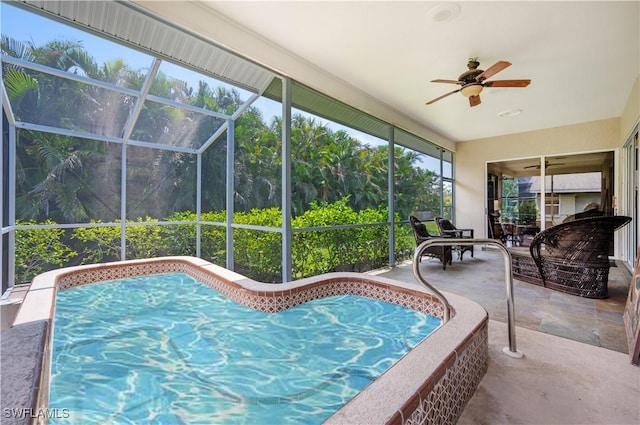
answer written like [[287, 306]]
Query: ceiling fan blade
[[546, 164], [507, 83], [446, 81], [493, 69], [474, 100], [441, 97]]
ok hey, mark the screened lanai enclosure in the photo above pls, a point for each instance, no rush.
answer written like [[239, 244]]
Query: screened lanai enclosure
[[125, 137]]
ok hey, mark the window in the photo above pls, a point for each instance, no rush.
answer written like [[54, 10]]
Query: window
[[552, 205]]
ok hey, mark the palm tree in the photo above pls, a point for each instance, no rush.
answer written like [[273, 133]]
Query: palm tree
[[51, 168], [63, 191], [257, 163], [416, 189]]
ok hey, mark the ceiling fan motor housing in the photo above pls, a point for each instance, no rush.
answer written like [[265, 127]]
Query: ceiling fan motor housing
[[469, 76]]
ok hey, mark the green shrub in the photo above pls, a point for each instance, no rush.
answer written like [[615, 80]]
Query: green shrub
[[39, 250], [213, 245], [357, 249], [257, 254], [145, 241], [179, 239], [321, 251], [98, 244], [102, 244]]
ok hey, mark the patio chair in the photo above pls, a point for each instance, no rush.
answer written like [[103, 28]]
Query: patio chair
[[573, 257], [421, 234], [508, 234], [448, 230]]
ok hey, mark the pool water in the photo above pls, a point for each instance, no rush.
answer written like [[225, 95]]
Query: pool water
[[167, 349]]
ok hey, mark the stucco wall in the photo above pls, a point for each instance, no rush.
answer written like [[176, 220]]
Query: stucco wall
[[472, 156]]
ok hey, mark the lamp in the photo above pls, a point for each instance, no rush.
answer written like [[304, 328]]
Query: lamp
[[472, 89], [495, 214]]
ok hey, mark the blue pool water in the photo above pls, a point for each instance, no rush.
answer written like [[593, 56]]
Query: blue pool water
[[167, 349]]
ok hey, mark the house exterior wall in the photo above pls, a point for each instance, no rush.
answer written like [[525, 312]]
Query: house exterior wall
[[472, 156], [569, 204]]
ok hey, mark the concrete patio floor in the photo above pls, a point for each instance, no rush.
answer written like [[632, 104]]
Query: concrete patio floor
[[575, 368]]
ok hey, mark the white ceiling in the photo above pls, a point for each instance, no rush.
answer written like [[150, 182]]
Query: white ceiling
[[582, 57]]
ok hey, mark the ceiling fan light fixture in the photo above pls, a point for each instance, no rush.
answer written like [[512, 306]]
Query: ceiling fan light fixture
[[471, 90]]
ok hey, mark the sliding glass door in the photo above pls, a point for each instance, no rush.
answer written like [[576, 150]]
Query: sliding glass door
[[531, 194], [630, 202]]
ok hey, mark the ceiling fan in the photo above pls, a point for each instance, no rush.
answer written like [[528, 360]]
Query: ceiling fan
[[473, 81], [546, 164]]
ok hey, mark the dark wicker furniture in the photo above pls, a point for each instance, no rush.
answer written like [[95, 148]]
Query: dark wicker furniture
[[508, 234], [571, 257], [421, 234], [448, 230]]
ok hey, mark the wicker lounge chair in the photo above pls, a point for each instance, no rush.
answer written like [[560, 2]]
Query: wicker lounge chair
[[448, 230], [573, 257], [421, 234]]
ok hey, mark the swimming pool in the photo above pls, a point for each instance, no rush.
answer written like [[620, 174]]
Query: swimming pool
[[168, 349], [430, 384]]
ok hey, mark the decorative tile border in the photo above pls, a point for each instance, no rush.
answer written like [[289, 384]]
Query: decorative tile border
[[272, 299], [431, 384], [442, 398]]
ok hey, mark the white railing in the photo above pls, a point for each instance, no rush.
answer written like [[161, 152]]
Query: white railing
[[511, 350]]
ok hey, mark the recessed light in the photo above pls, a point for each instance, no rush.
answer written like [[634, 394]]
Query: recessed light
[[511, 113], [443, 12]]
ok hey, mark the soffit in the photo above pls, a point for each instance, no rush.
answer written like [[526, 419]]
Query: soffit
[[128, 23]]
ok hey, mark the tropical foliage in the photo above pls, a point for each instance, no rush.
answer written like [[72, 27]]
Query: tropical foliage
[[38, 250], [336, 179], [257, 253]]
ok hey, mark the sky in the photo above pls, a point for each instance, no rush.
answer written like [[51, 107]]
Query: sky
[[25, 26]]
